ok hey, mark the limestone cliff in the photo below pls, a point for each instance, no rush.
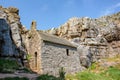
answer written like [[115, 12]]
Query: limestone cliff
[[96, 38], [11, 42]]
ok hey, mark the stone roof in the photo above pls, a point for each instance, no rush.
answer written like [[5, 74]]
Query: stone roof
[[55, 39]]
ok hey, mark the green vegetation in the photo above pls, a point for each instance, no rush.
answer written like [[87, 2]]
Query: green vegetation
[[15, 78], [86, 75], [26, 70], [93, 66], [50, 77], [111, 73], [62, 74], [47, 77], [98, 72], [8, 66], [28, 56]]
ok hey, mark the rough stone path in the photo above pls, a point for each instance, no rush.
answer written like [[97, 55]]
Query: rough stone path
[[27, 75]]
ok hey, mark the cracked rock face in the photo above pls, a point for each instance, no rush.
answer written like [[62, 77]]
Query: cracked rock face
[[10, 26], [7, 46], [95, 38]]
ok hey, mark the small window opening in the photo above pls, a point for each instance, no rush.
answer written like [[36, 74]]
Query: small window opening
[[36, 60], [29, 37], [67, 52]]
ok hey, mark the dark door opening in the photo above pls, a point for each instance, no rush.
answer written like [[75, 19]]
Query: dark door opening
[[36, 60]]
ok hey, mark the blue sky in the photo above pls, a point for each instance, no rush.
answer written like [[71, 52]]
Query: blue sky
[[53, 13]]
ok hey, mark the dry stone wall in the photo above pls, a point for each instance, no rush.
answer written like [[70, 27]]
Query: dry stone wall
[[54, 57], [33, 47]]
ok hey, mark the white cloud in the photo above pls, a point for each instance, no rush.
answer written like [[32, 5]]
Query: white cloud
[[117, 5], [111, 9]]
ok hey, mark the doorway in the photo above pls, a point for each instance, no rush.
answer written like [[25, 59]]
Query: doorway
[[36, 60]]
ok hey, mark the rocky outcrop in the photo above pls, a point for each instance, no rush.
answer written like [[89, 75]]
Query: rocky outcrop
[[96, 38], [10, 33], [7, 46]]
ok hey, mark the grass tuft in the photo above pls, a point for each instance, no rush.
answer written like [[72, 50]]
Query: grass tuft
[[8, 66], [14, 78], [47, 77], [111, 73]]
